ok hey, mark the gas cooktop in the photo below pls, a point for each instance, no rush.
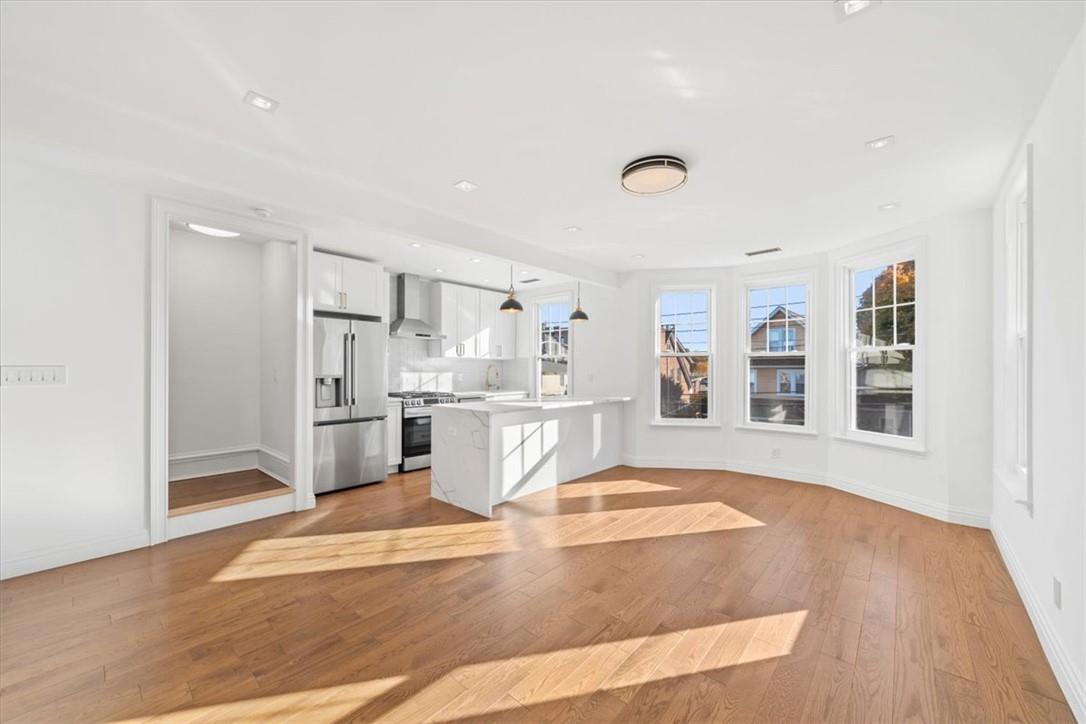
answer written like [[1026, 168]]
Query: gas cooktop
[[419, 399]]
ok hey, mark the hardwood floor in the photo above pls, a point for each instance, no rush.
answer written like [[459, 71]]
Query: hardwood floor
[[633, 595], [215, 491]]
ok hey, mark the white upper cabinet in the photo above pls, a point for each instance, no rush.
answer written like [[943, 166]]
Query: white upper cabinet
[[497, 329], [472, 325], [342, 284]]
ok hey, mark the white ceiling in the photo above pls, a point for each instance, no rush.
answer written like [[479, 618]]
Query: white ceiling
[[541, 104]]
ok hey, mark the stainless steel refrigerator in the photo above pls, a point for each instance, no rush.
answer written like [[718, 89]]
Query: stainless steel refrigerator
[[350, 370]]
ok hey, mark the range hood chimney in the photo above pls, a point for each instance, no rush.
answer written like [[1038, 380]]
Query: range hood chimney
[[408, 323]]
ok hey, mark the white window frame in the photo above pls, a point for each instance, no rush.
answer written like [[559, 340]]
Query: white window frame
[[713, 420], [809, 353], [537, 367], [911, 249], [1014, 442]]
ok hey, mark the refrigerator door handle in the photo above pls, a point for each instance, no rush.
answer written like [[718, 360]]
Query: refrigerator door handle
[[354, 355], [348, 372]]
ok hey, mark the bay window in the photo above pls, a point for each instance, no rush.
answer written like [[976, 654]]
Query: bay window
[[882, 353], [776, 344], [684, 356]]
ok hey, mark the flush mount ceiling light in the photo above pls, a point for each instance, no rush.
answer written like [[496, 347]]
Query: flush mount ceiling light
[[465, 185], [876, 143], [573, 229], [439, 270], [890, 206], [847, 8], [256, 100], [578, 314], [654, 175], [212, 231], [511, 304]]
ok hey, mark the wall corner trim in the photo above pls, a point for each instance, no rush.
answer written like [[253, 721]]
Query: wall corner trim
[[1070, 679]]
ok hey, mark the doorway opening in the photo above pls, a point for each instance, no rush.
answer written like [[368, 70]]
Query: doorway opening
[[230, 342]]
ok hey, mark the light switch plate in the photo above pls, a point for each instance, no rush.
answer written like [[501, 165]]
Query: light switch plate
[[12, 375]]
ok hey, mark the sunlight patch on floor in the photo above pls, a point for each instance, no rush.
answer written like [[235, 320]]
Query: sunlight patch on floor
[[552, 676], [364, 549], [326, 704], [604, 487]]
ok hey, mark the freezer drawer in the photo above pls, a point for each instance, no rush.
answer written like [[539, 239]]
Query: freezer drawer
[[348, 454]]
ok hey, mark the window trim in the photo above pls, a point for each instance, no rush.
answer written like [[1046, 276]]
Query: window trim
[[914, 249], [713, 420], [806, 277], [556, 298]]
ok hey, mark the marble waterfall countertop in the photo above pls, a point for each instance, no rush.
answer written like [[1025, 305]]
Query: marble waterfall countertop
[[497, 407], [483, 454]]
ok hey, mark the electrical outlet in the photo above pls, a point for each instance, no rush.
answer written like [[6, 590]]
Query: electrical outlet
[[775, 453], [12, 375], [1057, 592]]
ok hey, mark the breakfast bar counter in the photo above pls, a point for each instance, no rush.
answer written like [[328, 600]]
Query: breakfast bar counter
[[486, 453]]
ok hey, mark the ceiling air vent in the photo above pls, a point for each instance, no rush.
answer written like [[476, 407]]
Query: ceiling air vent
[[533, 280], [763, 251]]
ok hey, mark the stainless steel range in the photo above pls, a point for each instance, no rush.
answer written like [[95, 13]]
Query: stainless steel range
[[416, 426]]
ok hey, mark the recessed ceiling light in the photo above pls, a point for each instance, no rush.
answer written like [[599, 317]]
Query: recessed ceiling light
[[573, 229], [476, 260], [415, 245], [465, 185], [890, 206], [654, 175], [523, 271], [638, 256], [439, 270], [256, 100], [848, 8], [212, 231], [876, 143]]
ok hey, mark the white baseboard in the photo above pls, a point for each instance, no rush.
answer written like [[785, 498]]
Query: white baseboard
[[1071, 680], [191, 523], [199, 463], [68, 553], [276, 464], [932, 509]]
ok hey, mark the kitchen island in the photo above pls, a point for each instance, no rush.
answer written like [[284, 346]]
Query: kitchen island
[[486, 453]]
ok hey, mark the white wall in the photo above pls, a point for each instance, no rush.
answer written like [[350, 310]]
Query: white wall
[[73, 291], [215, 343], [1049, 541], [950, 480], [601, 347], [277, 326]]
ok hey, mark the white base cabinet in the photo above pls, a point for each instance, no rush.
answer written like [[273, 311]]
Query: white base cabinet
[[395, 435]]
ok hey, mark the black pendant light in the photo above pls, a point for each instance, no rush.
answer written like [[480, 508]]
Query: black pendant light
[[578, 313], [511, 304]]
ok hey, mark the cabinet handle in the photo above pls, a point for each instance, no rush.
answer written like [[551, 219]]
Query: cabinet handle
[[344, 300]]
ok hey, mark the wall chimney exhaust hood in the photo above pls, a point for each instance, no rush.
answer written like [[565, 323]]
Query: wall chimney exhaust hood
[[408, 323]]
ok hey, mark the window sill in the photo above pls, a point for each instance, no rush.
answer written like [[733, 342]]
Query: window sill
[[786, 429], [874, 440], [684, 423]]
